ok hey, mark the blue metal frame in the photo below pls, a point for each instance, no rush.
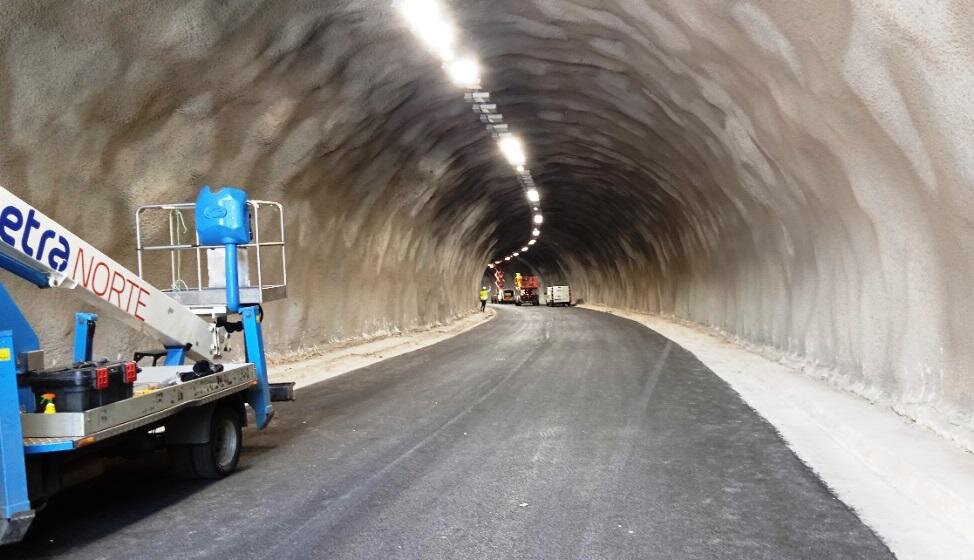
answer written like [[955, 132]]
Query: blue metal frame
[[233, 282], [84, 336], [175, 355], [24, 340], [49, 447], [32, 275], [13, 469], [259, 396]]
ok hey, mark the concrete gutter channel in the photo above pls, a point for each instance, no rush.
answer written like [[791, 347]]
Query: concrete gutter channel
[[915, 489]]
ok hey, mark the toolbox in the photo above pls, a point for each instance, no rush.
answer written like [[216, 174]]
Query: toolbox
[[84, 386]]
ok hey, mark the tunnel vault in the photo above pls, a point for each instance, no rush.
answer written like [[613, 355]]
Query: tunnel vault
[[797, 175]]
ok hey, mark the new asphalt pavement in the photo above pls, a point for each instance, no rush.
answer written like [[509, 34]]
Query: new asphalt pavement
[[545, 433]]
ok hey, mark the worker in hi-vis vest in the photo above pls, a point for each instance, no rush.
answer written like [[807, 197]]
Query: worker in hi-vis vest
[[484, 296]]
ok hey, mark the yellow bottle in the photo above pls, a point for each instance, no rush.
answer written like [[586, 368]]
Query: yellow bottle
[[47, 399]]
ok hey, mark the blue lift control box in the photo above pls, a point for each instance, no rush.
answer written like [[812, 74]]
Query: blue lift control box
[[222, 219]]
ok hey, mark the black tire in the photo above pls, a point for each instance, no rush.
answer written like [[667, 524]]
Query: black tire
[[216, 458]]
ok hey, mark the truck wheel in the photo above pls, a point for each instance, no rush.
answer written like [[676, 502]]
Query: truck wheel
[[216, 458]]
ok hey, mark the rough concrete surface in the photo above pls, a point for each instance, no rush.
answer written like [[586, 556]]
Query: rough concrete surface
[[489, 446], [795, 173]]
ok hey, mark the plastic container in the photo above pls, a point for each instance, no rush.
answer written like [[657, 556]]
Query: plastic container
[[222, 216], [76, 388]]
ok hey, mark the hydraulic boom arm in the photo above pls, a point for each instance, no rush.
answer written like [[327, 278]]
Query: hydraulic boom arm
[[40, 250]]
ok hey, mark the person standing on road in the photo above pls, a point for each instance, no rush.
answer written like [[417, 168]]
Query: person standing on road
[[484, 295]]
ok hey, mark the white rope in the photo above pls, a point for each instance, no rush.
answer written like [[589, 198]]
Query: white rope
[[181, 228]]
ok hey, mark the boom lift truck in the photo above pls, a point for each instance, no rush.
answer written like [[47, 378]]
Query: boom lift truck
[[54, 421]]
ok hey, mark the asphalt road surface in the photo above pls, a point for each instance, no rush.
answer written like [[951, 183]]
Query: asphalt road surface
[[546, 433]]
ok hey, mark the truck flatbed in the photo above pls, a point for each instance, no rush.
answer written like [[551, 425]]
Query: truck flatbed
[[64, 431]]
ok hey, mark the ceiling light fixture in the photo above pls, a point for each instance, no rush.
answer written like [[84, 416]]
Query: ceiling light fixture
[[464, 72], [431, 25], [513, 149]]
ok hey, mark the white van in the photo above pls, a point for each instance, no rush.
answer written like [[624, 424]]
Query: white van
[[558, 295]]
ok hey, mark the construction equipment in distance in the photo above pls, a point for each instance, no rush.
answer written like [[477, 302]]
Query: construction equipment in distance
[[527, 290]]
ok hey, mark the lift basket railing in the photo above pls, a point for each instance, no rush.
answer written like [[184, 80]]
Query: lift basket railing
[[196, 281]]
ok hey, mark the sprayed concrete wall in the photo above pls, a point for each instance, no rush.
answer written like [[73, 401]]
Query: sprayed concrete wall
[[107, 106], [797, 174]]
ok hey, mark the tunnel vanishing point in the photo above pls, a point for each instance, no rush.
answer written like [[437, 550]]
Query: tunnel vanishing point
[[798, 175]]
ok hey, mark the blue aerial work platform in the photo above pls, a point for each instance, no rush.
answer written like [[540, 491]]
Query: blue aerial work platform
[[195, 409]]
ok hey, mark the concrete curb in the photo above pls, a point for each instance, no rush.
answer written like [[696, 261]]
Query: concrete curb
[[915, 489]]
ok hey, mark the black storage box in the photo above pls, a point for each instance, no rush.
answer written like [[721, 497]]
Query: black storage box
[[76, 388]]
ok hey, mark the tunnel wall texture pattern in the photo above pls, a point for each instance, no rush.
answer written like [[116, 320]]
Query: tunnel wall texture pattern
[[107, 106], [796, 174]]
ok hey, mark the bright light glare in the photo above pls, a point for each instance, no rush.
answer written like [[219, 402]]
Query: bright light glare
[[535, 232], [507, 258], [515, 254], [464, 72], [524, 249], [532, 242], [538, 219], [534, 195], [513, 150], [431, 25], [491, 265]]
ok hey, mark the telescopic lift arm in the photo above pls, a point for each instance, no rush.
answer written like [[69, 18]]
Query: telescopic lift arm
[[38, 249]]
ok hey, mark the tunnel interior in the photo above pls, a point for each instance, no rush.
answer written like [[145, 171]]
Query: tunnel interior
[[794, 175]]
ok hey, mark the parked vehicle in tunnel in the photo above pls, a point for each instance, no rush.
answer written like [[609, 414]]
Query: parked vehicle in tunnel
[[529, 296], [59, 426], [507, 296], [558, 295]]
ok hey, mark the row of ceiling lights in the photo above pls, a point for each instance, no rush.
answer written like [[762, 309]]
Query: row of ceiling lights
[[433, 27]]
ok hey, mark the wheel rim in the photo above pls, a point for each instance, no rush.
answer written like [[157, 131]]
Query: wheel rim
[[226, 443]]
